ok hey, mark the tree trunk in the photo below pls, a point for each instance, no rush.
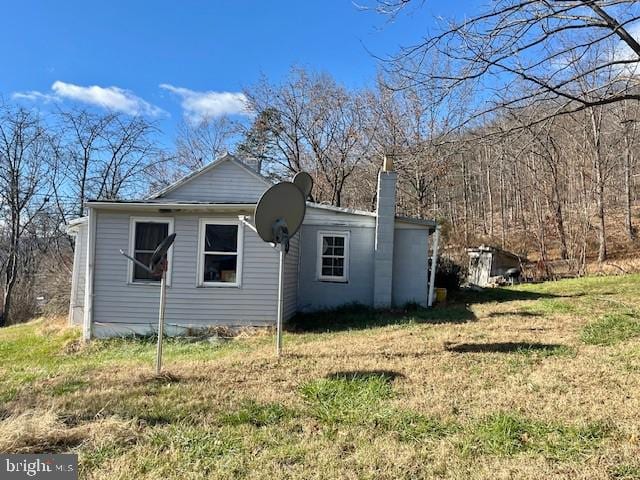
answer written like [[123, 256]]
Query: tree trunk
[[627, 188], [602, 238]]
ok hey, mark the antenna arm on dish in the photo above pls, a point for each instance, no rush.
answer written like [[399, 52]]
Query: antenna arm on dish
[[243, 219], [137, 262]]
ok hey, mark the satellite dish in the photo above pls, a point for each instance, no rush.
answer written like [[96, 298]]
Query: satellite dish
[[304, 182], [282, 206], [161, 251], [278, 216]]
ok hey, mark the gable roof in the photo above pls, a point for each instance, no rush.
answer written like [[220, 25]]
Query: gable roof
[[226, 157]]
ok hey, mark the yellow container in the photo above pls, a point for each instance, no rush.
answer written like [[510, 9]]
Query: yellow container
[[441, 295]]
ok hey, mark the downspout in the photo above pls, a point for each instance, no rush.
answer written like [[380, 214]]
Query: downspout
[[434, 265], [88, 289]]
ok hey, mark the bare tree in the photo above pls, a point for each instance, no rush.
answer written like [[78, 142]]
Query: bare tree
[[527, 42], [129, 152], [197, 145], [24, 190]]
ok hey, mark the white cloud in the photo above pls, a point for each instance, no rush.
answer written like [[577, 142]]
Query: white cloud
[[33, 95], [110, 98], [199, 106]]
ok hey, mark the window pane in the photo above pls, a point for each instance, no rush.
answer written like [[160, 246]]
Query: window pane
[[338, 251], [140, 273], [327, 271], [220, 268], [149, 235], [221, 238], [326, 262], [337, 271], [338, 241]]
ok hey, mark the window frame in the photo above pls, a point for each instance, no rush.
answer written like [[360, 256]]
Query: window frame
[[330, 278], [132, 244], [201, 253]]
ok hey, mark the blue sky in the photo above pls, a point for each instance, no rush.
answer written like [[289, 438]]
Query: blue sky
[[168, 59]]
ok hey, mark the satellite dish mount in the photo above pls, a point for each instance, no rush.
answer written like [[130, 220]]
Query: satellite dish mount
[[158, 265], [278, 217]]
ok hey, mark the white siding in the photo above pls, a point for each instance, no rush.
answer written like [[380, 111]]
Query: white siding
[[291, 277], [121, 308], [225, 182], [410, 262], [76, 307]]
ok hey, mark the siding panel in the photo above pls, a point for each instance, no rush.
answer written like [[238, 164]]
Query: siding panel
[[76, 307], [121, 307], [410, 257], [227, 182], [314, 294]]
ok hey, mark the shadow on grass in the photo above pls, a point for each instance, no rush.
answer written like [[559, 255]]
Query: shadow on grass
[[505, 347], [359, 317], [386, 375], [456, 310], [523, 313], [500, 295]]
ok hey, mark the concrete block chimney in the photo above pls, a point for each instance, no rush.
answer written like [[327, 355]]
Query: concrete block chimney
[[385, 228]]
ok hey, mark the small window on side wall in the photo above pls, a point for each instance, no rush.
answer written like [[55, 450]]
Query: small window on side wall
[[333, 256], [146, 235], [220, 256]]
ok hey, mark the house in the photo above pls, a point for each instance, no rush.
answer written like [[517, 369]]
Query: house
[[491, 265], [221, 273]]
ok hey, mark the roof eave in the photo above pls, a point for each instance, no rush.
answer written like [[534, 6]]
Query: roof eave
[[150, 206]]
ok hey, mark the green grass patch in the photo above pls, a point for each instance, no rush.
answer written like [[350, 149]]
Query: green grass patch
[[349, 398], [611, 329], [550, 306], [68, 386], [256, 414], [414, 427], [508, 434], [625, 471]]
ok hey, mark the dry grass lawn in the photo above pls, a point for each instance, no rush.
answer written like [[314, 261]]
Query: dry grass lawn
[[538, 381]]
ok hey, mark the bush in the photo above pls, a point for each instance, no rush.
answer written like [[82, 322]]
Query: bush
[[449, 274]]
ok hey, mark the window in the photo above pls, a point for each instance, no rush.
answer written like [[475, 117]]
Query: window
[[333, 256], [220, 258], [145, 235]]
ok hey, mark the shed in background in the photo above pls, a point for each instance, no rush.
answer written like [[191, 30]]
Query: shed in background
[[491, 265]]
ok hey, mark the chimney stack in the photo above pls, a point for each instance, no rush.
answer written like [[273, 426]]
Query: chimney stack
[[385, 229]]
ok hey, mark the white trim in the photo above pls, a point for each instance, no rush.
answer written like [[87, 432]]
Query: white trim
[[201, 253], [88, 287], [132, 238], [332, 233], [227, 157]]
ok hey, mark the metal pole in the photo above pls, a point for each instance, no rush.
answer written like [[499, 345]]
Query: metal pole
[[280, 301], [434, 265], [163, 289]]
